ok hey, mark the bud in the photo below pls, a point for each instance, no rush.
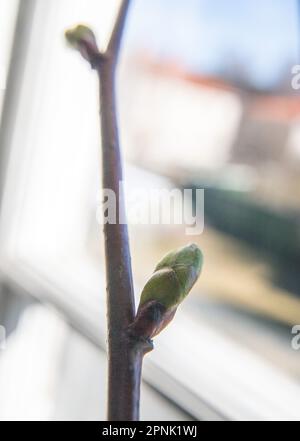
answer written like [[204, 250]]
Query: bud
[[83, 39], [174, 277], [172, 280]]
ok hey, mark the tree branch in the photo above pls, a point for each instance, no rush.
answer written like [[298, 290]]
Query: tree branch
[[125, 351], [113, 47], [125, 355]]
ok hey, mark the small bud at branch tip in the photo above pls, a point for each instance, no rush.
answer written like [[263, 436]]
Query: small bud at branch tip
[[83, 39]]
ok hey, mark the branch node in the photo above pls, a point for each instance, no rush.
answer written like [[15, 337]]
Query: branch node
[[150, 319], [138, 344]]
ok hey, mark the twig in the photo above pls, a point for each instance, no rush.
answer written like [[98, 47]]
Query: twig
[[125, 358], [129, 335], [113, 47], [125, 352]]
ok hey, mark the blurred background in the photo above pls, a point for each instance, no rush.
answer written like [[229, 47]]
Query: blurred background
[[205, 101]]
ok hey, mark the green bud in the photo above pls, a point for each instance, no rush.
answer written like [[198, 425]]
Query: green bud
[[83, 39], [79, 34], [173, 277]]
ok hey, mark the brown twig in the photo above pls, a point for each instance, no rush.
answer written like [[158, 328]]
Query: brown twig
[[125, 351], [125, 354]]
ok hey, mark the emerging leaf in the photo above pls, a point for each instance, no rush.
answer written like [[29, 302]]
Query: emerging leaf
[[172, 280], [174, 277]]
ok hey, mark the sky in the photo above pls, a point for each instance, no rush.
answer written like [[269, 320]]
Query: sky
[[212, 36]]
